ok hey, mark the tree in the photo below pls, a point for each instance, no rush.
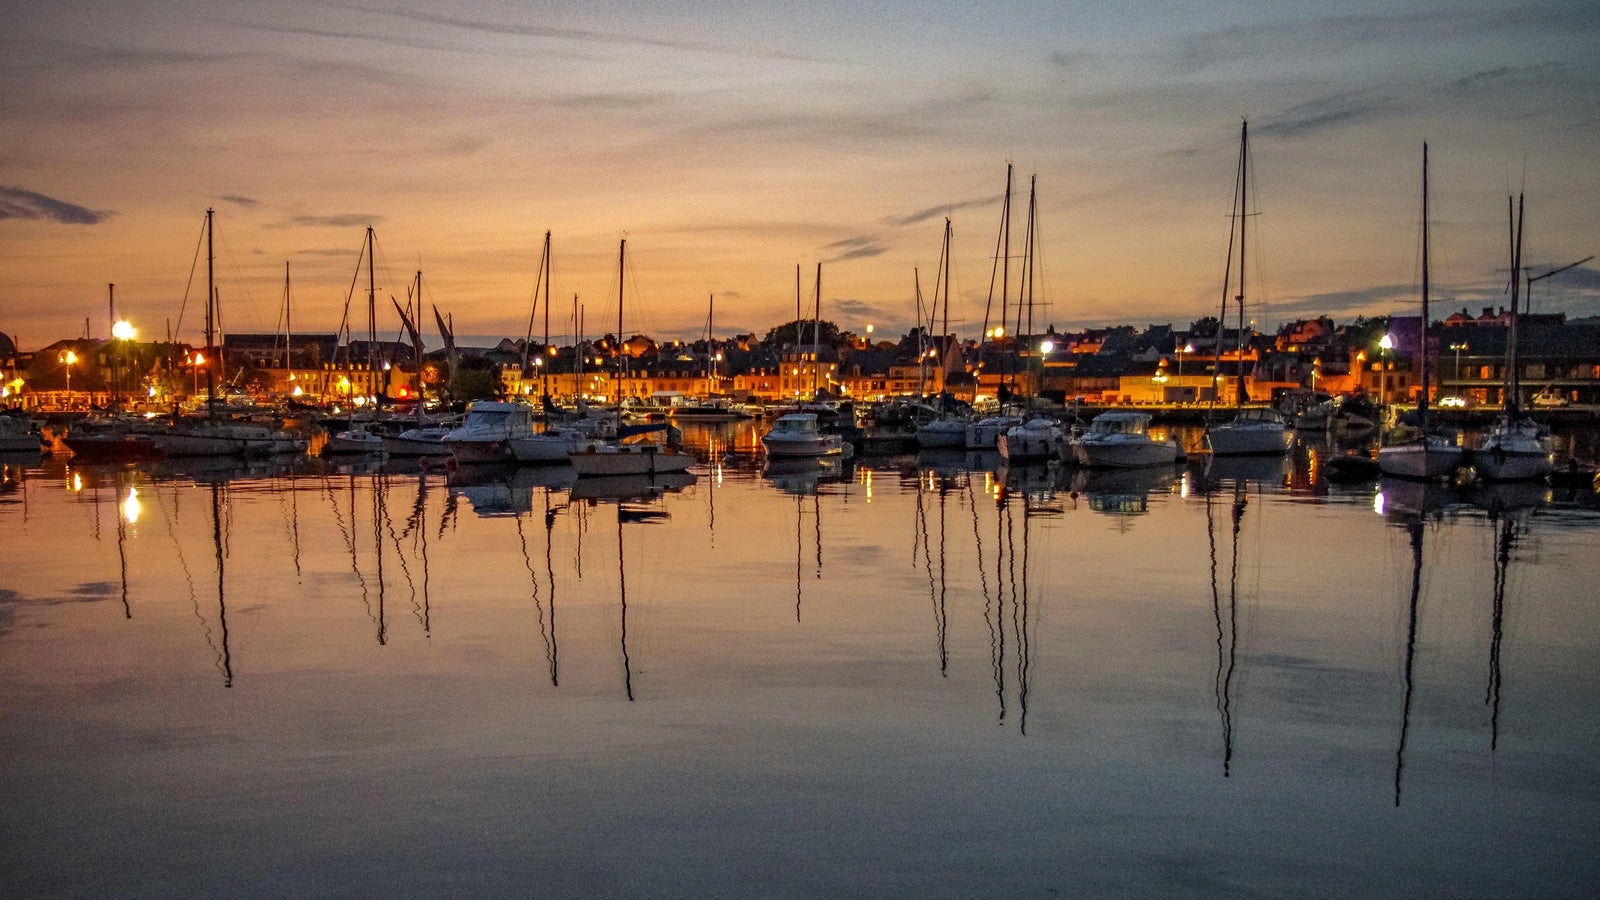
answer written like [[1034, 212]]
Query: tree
[[799, 331]]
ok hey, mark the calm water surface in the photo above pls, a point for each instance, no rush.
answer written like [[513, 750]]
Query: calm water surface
[[927, 676]]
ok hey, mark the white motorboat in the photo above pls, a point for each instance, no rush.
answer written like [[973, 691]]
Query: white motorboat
[[555, 444], [1253, 432], [984, 434], [422, 441], [358, 439], [1514, 451], [1036, 439], [607, 458], [1121, 440], [800, 435], [488, 430], [943, 432]]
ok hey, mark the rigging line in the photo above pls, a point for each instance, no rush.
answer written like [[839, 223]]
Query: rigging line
[[944, 620], [1239, 502], [983, 573], [422, 538], [222, 608], [1024, 647], [927, 556], [1216, 612], [194, 264], [399, 552], [350, 542]]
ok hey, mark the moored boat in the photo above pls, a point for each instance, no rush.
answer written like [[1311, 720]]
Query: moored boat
[[1036, 439], [1121, 440], [488, 430], [800, 435]]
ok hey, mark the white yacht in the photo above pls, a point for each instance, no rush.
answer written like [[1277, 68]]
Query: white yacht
[[488, 430], [1121, 440], [798, 435], [944, 432], [984, 434], [1036, 439], [555, 444]]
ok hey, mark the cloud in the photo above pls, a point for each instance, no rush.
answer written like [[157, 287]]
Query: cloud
[[860, 247], [16, 203], [344, 220], [1375, 300], [1071, 62], [586, 35], [246, 202], [858, 308], [933, 212], [1326, 112], [1521, 76]]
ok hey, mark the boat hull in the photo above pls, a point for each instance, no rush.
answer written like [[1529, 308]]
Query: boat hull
[[1425, 460], [627, 459], [1249, 439], [942, 434], [550, 447], [799, 447], [1512, 453], [1129, 454]]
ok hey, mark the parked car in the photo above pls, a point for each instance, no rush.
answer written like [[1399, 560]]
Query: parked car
[[1453, 402]]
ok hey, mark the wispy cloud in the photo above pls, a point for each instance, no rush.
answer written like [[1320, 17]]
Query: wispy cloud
[[933, 212], [584, 35], [859, 247], [16, 203], [344, 220], [1323, 113], [237, 200], [1502, 76]]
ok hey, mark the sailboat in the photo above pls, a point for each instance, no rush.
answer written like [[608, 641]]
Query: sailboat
[[1430, 455], [800, 433], [1516, 448], [617, 457], [210, 436], [1252, 431]]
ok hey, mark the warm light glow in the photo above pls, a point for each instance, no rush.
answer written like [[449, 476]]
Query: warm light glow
[[869, 329], [130, 506], [199, 359], [69, 357], [1047, 347], [152, 390], [77, 481], [1386, 342], [999, 332], [1188, 348], [1378, 503], [122, 330], [296, 392]]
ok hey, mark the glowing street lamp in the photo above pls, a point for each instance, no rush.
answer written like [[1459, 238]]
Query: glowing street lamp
[[1385, 344], [67, 358]]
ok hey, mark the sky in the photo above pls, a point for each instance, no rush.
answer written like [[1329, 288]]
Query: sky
[[730, 142]]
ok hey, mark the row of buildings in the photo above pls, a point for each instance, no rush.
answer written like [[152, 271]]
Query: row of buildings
[[1159, 365]]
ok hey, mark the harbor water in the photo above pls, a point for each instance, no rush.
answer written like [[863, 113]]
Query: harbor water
[[925, 675]]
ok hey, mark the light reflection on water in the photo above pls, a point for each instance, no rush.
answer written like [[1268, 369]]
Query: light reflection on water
[[929, 674]]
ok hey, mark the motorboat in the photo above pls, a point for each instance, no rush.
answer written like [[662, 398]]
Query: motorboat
[[485, 435], [1254, 431], [800, 435], [984, 434], [108, 440], [942, 433], [427, 440], [1035, 439], [1121, 440], [358, 439], [555, 444], [608, 458]]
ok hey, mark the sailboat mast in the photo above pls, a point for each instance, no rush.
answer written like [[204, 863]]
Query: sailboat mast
[[711, 343], [816, 334], [1513, 399], [288, 330], [621, 357], [1422, 332], [944, 350], [544, 385], [1244, 210], [372, 316], [211, 303]]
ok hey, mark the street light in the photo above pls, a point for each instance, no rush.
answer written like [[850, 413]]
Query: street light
[[1185, 349], [1458, 348], [1385, 344], [67, 358], [122, 330]]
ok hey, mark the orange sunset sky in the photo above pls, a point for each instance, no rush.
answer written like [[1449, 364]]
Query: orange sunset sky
[[731, 141]]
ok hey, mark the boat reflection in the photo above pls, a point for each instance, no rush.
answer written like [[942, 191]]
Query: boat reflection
[[498, 490], [1123, 492], [805, 476], [1263, 470], [619, 488]]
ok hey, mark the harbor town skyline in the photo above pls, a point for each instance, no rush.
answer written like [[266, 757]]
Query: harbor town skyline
[[731, 152]]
